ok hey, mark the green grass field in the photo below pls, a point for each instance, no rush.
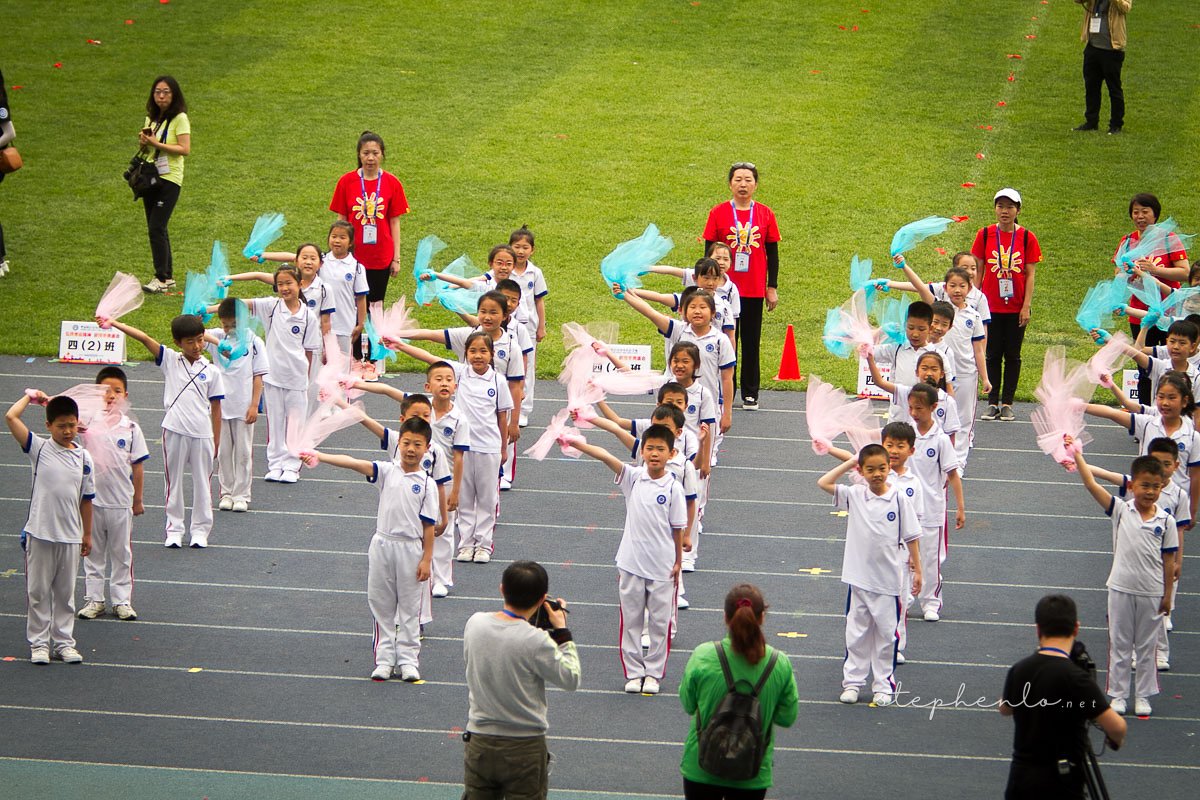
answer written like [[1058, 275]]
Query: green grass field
[[587, 121]]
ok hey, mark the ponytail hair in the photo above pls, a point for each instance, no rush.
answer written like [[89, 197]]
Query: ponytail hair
[[941, 384], [744, 608], [1182, 384]]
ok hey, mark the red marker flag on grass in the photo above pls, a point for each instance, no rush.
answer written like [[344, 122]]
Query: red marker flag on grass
[[968, 185]]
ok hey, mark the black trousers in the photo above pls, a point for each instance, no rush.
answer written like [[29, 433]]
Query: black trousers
[[1103, 66], [1004, 340], [377, 283], [748, 333], [1154, 337], [3, 252], [159, 205], [707, 791]]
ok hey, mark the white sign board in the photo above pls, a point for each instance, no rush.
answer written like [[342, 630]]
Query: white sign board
[[88, 343], [1129, 384], [866, 386], [635, 356]]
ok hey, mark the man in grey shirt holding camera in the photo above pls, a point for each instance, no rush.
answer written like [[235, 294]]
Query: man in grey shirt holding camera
[[509, 661]]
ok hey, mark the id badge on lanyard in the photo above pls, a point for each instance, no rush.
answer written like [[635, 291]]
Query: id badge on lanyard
[[162, 165], [741, 259], [370, 230], [1094, 24], [1005, 285], [1006, 288], [370, 234]]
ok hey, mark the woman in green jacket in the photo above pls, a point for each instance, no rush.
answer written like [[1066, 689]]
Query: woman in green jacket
[[704, 686]]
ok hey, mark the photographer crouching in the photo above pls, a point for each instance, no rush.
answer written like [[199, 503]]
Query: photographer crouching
[[1052, 695], [511, 654]]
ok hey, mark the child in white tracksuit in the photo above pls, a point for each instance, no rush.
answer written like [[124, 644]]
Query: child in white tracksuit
[[243, 377], [401, 550], [650, 555], [882, 536]]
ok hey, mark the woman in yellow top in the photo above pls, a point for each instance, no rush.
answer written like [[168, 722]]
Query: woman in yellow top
[[166, 135]]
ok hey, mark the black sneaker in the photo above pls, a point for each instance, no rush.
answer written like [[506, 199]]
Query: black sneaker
[[1006, 414], [750, 403], [1114, 131], [992, 413], [1086, 127]]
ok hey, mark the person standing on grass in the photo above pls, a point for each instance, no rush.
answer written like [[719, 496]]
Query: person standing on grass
[[1010, 255], [166, 136], [7, 134], [1103, 35], [745, 659], [372, 200], [750, 230]]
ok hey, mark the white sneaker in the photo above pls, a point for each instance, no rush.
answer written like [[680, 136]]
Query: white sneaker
[[688, 566], [1141, 707], [440, 590], [1117, 704], [1163, 664], [39, 655], [289, 476], [273, 476], [69, 655], [523, 421], [382, 672], [505, 484], [649, 685], [465, 554], [1170, 625], [482, 555], [240, 506], [199, 542], [849, 696], [633, 686], [226, 503], [125, 612], [645, 641], [682, 602], [931, 615], [155, 286], [881, 699], [3, 268], [900, 659], [91, 609], [174, 542], [409, 674]]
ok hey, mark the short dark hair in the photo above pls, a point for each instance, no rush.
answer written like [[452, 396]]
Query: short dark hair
[[926, 392], [692, 293], [508, 284], [870, 451], [477, 335], [418, 426], [660, 433], [693, 351], [439, 365], [109, 372], [1146, 465], [668, 411], [941, 308], [343, 225], [1184, 328], [706, 267], [497, 298], [369, 136], [919, 309], [1165, 445], [228, 308], [670, 387], [520, 233], [178, 104], [497, 250], [954, 259], [900, 431], [524, 584], [1056, 615], [1194, 273], [61, 406], [1149, 201], [959, 272], [411, 400], [742, 165], [185, 326]]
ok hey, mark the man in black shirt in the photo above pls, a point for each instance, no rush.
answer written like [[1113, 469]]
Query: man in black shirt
[[1051, 700]]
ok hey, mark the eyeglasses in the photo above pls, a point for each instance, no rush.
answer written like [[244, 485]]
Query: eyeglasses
[[743, 165], [162, 91]]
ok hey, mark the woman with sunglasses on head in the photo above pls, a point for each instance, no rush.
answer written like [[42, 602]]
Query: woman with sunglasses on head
[[750, 230], [166, 138]]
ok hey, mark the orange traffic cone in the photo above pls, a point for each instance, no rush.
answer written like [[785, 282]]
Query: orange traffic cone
[[789, 364]]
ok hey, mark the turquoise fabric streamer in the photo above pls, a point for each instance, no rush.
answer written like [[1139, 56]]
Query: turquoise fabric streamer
[[218, 272], [629, 260], [427, 291], [914, 233], [267, 228]]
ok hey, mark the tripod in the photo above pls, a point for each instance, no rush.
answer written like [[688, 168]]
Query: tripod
[[1093, 781]]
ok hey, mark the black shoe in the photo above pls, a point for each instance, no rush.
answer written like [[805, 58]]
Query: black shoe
[[750, 403], [1087, 126], [1114, 131]]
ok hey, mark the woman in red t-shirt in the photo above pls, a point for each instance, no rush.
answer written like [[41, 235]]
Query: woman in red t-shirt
[[1010, 255], [372, 201], [750, 230], [1171, 269]]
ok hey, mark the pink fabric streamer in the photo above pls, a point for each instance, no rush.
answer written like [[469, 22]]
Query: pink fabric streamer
[[1064, 391], [558, 431], [830, 412], [576, 335], [124, 294], [856, 325], [1108, 358], [303, 435], [577, 375], [630, 383], [97, 421], [334, 375], [395, 319]]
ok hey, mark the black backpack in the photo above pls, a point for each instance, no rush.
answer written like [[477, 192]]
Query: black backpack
[[733, 744]]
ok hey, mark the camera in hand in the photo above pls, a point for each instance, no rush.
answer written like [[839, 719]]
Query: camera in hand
[[1082, 659], [541, 619]]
